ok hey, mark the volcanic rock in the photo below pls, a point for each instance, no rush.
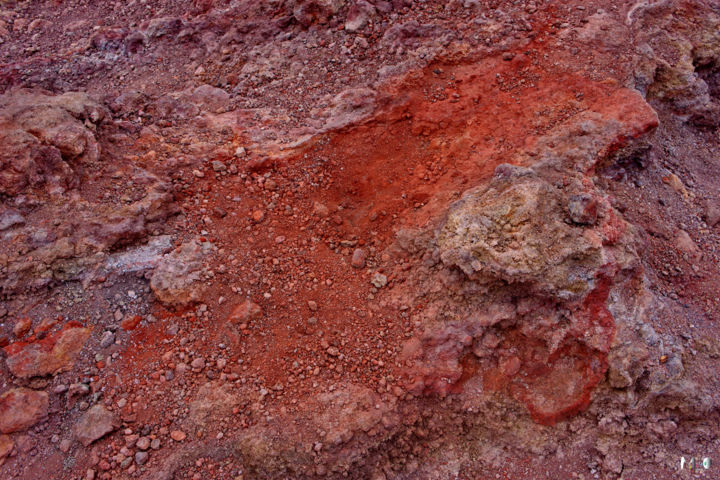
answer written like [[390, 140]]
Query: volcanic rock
[[94, 424], [177, 279], [358, 15], [48, 145], [44, 139], [6, 446], [358, 258], [562, 245], [21, 408], [245, 312], [52, 354]]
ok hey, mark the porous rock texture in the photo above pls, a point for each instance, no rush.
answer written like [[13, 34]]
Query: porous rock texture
[[359, 239]]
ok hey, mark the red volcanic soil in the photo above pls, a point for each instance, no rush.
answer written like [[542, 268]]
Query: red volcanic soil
[[312, 183]]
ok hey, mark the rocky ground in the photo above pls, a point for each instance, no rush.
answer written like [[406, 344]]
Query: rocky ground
[[359, 239]]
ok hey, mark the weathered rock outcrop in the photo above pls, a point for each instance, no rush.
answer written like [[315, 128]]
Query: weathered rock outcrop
[[46, 140], [679, 59], [49, 145], [543, 256]]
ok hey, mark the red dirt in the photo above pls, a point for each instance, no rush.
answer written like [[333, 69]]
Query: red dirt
[[285, 228]]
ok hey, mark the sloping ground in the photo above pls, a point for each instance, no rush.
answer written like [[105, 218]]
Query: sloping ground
[[327, 239]]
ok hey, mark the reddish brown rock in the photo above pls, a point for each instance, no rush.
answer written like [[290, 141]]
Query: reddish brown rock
[[21, 408], [686, 244], [359, 258], [6, 446], [130, 323], [177, 278], [245, 312], [42, 136], [21, 327], [53, 354], [94, 424]]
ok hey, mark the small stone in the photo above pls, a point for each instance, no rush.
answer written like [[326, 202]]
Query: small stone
[[107, 339], [130, 440], [218, 166], [141, 458], [198, 363], [94, 424], [245, 312], [22, 327], [198, 173], [258, 216], [320, 210], [178, 435], [312, 305], [155, 444], [507, 56], [270, 184], [379, 280], [65, 445], [358, 258], [676, 184], [176, 279], [240, 152], [62, 388], [510, 367], [143, 443], [686, 244], [78, 390], [712, 214]]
